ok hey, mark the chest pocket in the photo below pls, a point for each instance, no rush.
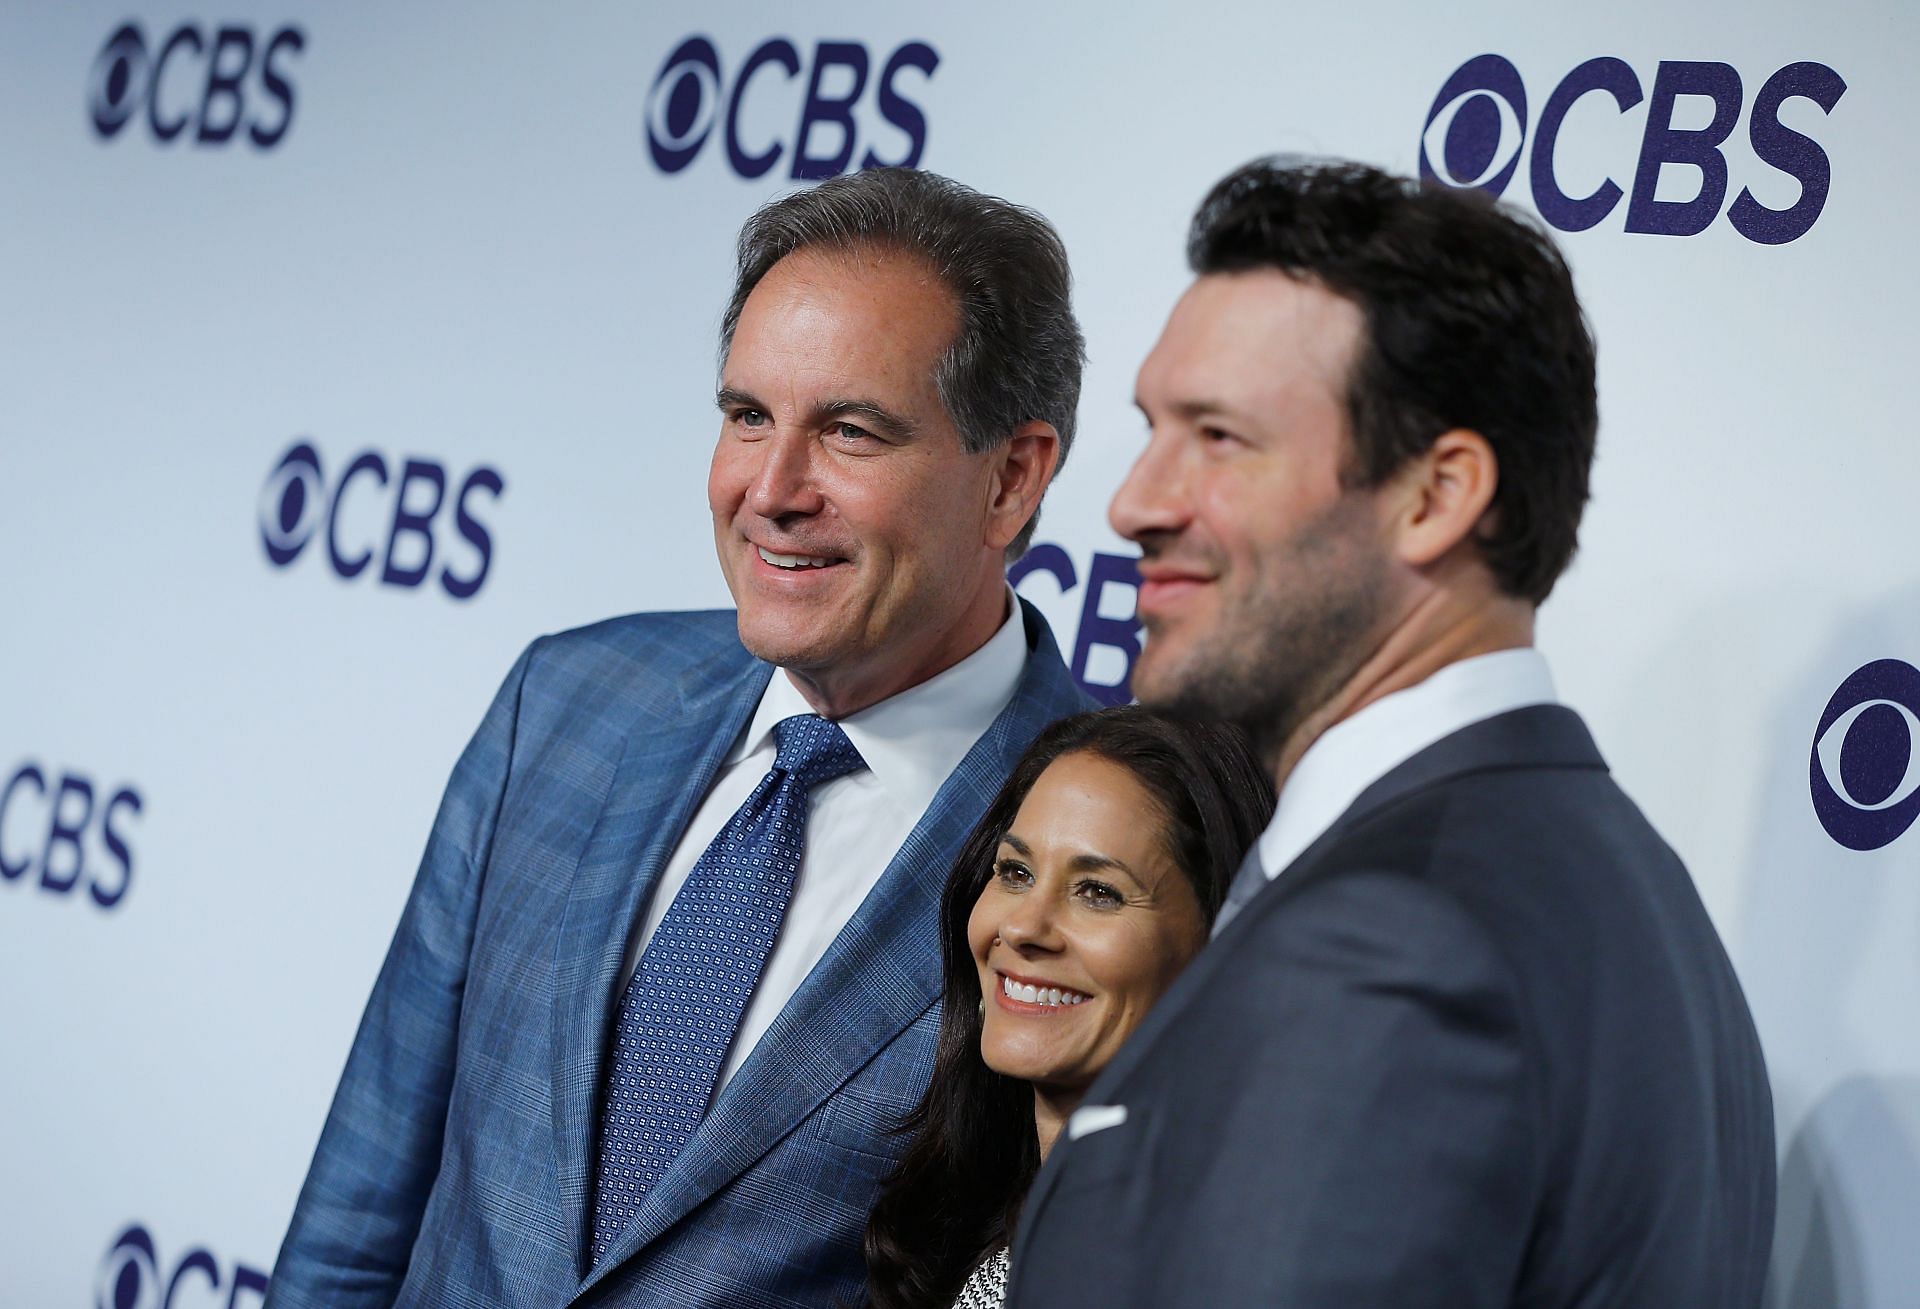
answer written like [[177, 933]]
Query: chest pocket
[[866, 1114], [1104, 1159]]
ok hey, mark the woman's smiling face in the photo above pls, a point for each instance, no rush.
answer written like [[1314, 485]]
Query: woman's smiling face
[[1083, 924]]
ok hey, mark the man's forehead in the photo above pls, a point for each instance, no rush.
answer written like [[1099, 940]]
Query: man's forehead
[[860, 303], [1247, 339], [861, 267]]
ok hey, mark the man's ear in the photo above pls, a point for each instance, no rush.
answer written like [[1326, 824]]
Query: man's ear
[[1021, 468], [1442, 496]]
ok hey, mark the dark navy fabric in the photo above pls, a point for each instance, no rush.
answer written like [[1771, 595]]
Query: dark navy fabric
[[455, 1166], [1478, 1047], [691, 987]]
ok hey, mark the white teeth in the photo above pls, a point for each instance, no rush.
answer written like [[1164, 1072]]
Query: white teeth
[[792, 561], [1042, 995]]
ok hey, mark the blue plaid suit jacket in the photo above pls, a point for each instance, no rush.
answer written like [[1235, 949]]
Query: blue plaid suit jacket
[[455, 1165]]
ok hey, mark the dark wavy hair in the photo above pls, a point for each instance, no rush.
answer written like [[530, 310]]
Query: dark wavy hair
[[956, 1194], [1471, 322]]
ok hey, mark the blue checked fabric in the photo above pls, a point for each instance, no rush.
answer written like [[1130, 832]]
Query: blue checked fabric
[[684, 1004]]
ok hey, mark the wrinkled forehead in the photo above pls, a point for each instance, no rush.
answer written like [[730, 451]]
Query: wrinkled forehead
[[862, 318], [854, 264], [849, 302]]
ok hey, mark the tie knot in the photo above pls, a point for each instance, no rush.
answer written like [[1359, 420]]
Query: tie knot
[[813, 750]]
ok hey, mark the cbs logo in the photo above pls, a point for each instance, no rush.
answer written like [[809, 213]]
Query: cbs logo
[[131, 1277], [297, 504], [210, 95], [74, 820], [691, 98], [1107, 637], [1476, 133], [1865, 767]]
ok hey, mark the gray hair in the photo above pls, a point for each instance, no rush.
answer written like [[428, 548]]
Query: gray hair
[[1019, 352]]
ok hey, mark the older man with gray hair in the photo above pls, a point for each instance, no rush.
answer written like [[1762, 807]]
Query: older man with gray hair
[[669, 972]]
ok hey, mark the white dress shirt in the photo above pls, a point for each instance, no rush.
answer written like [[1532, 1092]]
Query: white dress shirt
[[1358, 751], [855, 824]]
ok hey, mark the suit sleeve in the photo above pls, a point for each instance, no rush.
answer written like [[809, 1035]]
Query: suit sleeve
[[354, 1225], [1341, 1113]]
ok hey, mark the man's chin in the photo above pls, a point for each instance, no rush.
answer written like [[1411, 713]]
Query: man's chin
[[1192, 688], [781, 651], [784, 645], [1162, 680]]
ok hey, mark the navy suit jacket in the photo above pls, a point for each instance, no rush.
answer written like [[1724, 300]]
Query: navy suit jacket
[[455, 1165], [1477, 1046]]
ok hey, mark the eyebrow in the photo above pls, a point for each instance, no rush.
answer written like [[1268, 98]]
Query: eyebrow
[[1080, 862], [1191, 410], [873, 414]]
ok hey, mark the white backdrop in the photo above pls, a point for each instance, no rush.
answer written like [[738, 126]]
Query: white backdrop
[[440, 234]]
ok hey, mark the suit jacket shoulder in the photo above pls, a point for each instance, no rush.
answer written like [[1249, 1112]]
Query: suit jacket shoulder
[[583, 692], [632, 662], [1483, 1026]]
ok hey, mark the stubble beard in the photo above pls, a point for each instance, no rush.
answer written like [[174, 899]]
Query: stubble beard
[[1289, 648]]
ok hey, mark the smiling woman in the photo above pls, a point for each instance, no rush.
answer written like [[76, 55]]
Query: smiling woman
[[1086, 888], [1085, 921]]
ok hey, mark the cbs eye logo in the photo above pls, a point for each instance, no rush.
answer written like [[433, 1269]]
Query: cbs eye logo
[[1477, 121], [1865, 767], [1476, 137], [193, 81], [692, 96], [134, 1276], [130, 1274], [405, 510], [293, 488]]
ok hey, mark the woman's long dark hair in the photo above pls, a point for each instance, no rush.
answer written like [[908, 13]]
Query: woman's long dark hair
[[956, 1195]]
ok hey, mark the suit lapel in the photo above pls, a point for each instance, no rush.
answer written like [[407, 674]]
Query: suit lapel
[[641, 822], [880, 974], [878, 977]]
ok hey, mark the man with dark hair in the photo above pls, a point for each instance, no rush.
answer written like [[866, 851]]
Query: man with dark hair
[[670, 970], [1465, 1035]]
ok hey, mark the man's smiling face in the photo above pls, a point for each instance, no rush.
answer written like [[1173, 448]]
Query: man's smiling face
[[1264, 576], [850, 520]]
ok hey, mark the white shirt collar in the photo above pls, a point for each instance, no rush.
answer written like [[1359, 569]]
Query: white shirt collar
[[914, 739], [1358, 751]]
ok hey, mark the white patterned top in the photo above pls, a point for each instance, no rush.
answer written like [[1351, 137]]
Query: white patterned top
[[987, 1288]]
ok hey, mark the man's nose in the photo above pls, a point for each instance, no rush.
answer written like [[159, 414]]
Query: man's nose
[[785, 483], [1152, 499]]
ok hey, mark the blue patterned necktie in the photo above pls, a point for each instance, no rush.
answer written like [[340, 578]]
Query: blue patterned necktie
[[683, 1006]]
